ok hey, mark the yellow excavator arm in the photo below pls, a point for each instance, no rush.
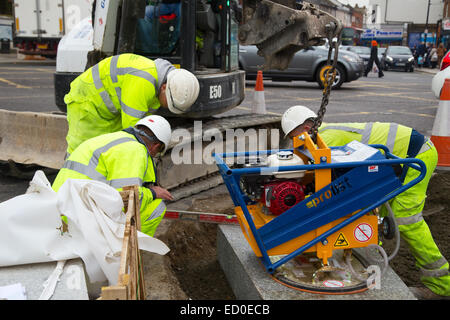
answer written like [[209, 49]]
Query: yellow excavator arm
[[279, 28]]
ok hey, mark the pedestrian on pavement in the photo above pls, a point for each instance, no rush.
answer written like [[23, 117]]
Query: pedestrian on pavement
[[120, 90], [374, 58], [125, 158], [433, 56], [407, 206], [421, 51], [420, 62], [414, 53], [440, 53], [427, 57]]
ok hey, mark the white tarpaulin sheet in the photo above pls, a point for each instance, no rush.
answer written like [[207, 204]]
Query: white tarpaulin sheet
[[31, 227]]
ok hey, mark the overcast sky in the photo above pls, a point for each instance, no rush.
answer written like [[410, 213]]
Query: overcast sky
[[360, 3]]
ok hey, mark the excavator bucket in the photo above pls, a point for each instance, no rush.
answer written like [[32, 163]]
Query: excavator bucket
[[279, 28], [33, 138]]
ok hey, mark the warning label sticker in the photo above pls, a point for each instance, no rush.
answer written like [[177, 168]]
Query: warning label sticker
[[363, 232], [341, 241]]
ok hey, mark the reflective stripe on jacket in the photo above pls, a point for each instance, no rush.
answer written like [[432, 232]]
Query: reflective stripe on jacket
[[395, 136], [125, 85], [117, 159]]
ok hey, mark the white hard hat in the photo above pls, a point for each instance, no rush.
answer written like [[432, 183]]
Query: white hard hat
[[295, 116], [160, 128], [182, 90]]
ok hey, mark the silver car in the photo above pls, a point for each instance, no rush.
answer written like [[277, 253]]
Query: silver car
[[363, 52], [308, 64]]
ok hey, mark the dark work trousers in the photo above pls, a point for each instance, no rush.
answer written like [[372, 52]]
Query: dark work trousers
[[370, 66]]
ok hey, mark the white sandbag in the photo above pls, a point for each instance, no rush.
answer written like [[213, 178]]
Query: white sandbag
[[31, 228], [96, 224]]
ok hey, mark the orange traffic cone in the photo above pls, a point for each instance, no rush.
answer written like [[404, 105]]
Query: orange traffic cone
[[259, 103], [440, 135]]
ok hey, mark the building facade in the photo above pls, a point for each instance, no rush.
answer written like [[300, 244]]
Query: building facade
[[444, 26], [388, 21], [351, 18]]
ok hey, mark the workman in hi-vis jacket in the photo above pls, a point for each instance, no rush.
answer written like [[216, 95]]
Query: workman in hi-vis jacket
[[407, 207], [120, 90], [124, 158]]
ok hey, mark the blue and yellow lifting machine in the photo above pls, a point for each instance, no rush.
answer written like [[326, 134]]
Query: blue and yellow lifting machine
[[348, 184]]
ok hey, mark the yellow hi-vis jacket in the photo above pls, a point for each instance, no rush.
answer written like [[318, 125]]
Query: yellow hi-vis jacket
[[407, 206], [117, 159], [113, 95], [394, 136]]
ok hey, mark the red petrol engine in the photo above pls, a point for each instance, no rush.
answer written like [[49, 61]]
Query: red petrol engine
[[279, 196]]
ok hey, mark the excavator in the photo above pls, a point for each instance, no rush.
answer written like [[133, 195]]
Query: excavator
[[202, 36]]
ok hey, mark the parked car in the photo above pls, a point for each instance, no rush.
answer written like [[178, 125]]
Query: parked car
[[308, 64], [439, 78], [381, 51], [398, 57], [363, 52]]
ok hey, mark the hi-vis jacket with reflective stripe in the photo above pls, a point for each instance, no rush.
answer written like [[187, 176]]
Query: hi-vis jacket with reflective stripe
[[117, 159], [125, 86], [395, 136]]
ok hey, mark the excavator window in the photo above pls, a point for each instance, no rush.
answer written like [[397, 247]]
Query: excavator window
[[199, 35], [159, 31]]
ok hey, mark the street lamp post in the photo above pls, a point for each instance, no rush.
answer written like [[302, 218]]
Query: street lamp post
[[426, 23]]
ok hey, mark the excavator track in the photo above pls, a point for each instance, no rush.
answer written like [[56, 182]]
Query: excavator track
[[173, 176]]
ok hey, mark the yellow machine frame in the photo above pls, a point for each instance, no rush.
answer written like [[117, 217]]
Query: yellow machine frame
[[342, 239]]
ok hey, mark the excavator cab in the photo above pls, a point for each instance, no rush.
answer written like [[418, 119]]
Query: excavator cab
[[200, 36]]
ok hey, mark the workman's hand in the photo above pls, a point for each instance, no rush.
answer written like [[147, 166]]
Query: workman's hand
[[162, 193]]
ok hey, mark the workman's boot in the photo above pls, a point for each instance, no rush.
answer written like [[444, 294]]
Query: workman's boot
[[438, 285], [423, 293]]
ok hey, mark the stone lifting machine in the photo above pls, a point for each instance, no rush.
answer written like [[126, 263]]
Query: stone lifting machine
[[305, 211]]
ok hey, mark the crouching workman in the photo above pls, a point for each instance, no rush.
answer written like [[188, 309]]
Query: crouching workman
[[124, 158], [403, 142], [120, 90]]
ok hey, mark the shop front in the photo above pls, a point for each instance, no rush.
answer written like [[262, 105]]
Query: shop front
[[383, 36]]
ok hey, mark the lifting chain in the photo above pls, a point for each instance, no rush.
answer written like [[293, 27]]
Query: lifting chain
[[329, 76]]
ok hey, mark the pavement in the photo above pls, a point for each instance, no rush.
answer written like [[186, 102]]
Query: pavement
[[72, 283], [15, 58], [427, 70]]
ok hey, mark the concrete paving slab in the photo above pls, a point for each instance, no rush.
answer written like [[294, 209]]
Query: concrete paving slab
[[71, 285], [249, 280]]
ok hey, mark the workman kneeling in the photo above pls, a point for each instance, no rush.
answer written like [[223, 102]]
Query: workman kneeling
[[407, 207], [124, 158]]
